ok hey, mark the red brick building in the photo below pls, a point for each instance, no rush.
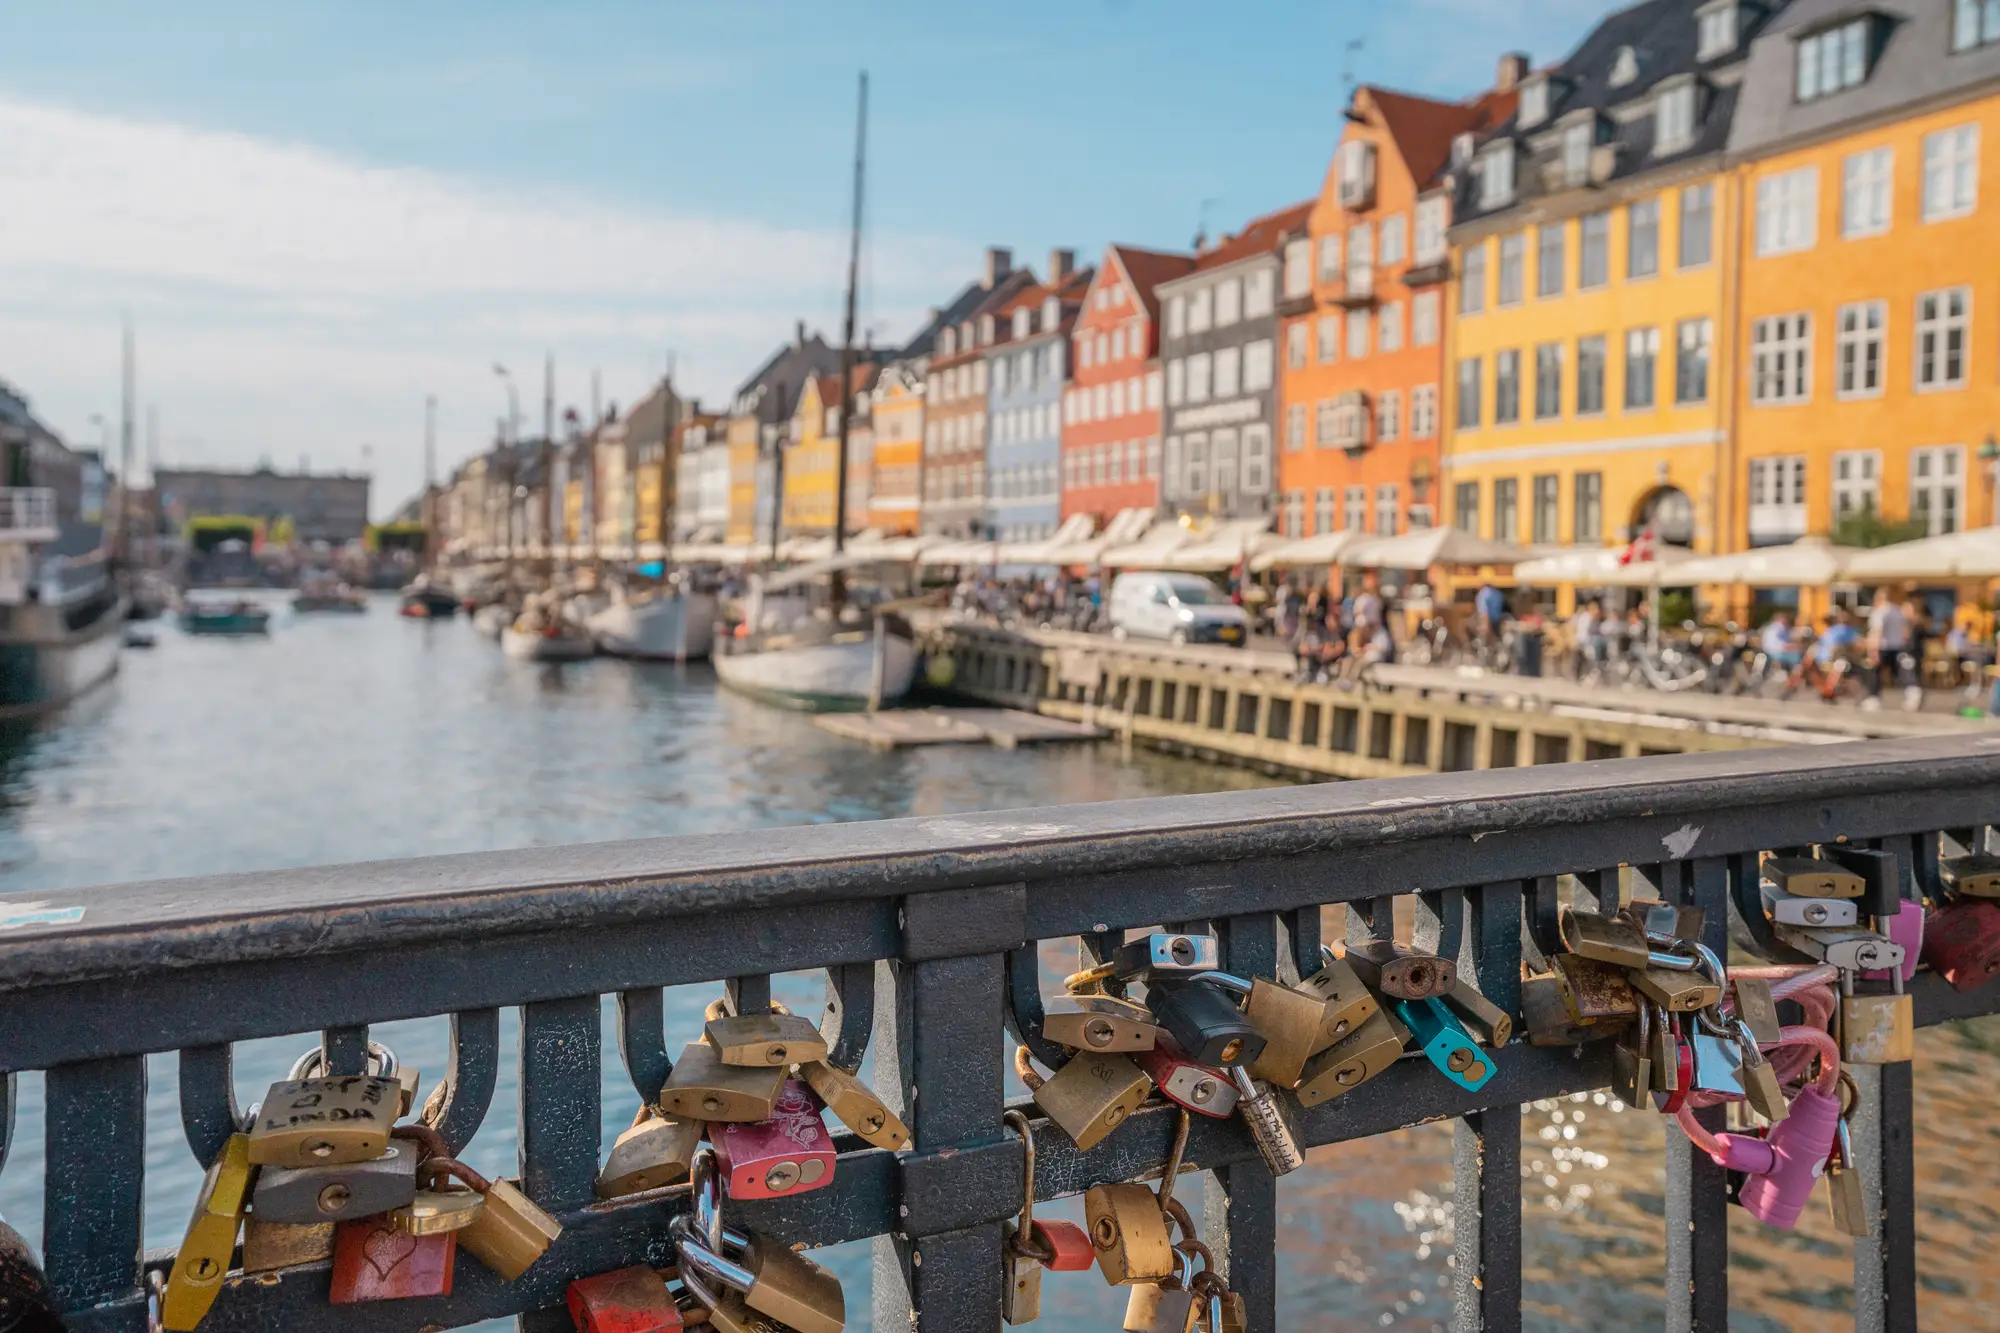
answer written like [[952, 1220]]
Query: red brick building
[[1111, 412]]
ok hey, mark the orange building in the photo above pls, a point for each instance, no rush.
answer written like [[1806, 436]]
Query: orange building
[[1111, 413], [1363, 318]]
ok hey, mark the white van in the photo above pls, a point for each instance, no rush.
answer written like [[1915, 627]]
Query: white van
[[1180, 608]]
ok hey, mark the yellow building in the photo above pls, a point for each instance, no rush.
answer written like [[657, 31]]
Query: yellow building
[[1870, 288], [742, 436], [812, 453], [898, 412]]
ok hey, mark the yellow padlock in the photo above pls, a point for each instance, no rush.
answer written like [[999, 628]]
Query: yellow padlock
[[210, 1243]]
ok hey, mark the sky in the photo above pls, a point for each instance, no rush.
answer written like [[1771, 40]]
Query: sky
[[317, 215]]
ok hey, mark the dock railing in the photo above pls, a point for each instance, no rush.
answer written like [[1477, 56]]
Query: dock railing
[[927, 929]]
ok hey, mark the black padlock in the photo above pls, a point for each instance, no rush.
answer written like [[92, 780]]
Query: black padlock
[[1205, 1024], [1881, 878]]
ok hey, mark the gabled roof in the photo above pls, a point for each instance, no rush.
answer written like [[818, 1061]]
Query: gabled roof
[[1422, 128], [1259, 236], [992, 300], [1147, 269], [860, 380]]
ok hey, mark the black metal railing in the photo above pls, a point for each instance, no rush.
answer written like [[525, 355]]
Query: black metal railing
[[928, 930]]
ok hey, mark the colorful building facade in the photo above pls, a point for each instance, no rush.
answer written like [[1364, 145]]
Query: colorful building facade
[[898, 410], [1028, 367], [759, 413], [1111, 437], [955, 410], [812, 454]]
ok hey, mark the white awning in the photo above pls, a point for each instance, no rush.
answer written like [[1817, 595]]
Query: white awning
[[1154, 545], [1431, 546], [1320, 549], [1228, 544], [1599, 567], [1809, 562], [1956, 555]]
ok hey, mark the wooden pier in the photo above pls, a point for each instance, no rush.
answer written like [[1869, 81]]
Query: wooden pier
[[1005, 728], [1244, 706]]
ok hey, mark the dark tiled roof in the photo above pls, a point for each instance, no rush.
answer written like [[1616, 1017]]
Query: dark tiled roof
[[1259, 236]]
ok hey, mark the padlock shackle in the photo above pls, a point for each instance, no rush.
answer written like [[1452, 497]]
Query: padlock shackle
[[1228, 981], [433, 1167], [313, 1063], [694, 1255], [1025, 1229], [426, 1137]]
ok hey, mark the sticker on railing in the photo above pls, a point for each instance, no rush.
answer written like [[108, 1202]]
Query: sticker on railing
[[38, 914], [1681, 841]]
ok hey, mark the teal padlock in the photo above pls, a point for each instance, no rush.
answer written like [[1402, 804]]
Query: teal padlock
[[1446, 1043]]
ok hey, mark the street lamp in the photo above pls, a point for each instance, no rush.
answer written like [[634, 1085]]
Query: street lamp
[[1989, 454], [513, 404]]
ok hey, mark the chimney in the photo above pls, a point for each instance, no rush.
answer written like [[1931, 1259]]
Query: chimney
[[1513, 68], [999, 260], [799, 334], [1062, 263]]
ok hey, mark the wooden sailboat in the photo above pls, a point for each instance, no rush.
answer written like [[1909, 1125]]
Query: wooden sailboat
[[829, 656]]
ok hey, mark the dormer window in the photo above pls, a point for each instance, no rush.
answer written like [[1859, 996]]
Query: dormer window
[[1051, 314], [1717, 26], [1577, 141], [1461, 149], [1496, 175], [1833, 59], [1357, 174], [1625, 68], [1674, 118], [1023, 323], [1974, 23], [948, 342], [1534, 103], [985, 330]]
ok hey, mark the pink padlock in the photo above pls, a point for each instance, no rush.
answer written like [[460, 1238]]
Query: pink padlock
[[1907, 929], [788, 1154], [1784, 1164]]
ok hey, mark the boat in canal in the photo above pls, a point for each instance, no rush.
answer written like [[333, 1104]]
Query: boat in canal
[[61, 631], [224, 616], [829, 654], [666, 624], [329, 595], [544, 632], [424, 600]]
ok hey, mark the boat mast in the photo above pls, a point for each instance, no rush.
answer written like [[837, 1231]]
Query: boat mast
[[846, 392], [128, 393], [669, 501], [429, 508]]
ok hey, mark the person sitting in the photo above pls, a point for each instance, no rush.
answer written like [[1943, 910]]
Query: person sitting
[[1778, 641]]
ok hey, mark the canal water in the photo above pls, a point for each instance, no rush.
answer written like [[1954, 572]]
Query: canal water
[[354, 738]]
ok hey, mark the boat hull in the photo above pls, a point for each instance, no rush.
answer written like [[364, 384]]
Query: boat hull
[[491, 621], [541, 648], [44, 671], [653, 628], [258, 622], [821, 677]]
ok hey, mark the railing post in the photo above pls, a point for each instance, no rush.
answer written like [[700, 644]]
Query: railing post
[[1885, 1264], [1486, 1222], [1240, 1205], [562, 1083], [94, 1177], [1697, 1202]]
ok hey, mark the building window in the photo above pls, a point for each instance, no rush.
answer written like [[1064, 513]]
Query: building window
[[1171, 485], [1547, 504], [1298, 270], [1430, 239], [1395, 239], [1228, 374], [1357, 334], [1323, 509], [1292, 517], [1468, 393], [1548, 380], [1388, 508], [1832, 60], [1857, 482], [1506, 509], [1777, 499], [1857, 349], [1941, 331], [1590, 375], [1196, 471], [1329, 257], [1295, 345], [1692, 338], [1257, 366], [1295, 428], [1423, 411], [1472, 280], [1577, 141], [1176, 382], [1513, 268], [1361, 259], [1936, 496], [1549, 260], [1593, 261], [1465, 507], [1951, 172], [1256, 460], [1496, 175], [1534, 103], [1975, 23], [1176, 316], [1642, 356], [1587, 512], [1697, 224], [1424, 310], [1388, 416], [1199, 370], [1781, 359], [1718, 31], [1228, 303], [1329, 338], [1326, 423], [1673, 120], [1390, 333], [1257, 294], [1788, 211], [1866, 181], [1201, 310], [1642, 239], [1506, 387]]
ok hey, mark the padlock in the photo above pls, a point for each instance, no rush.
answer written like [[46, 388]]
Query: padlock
[[1881, 876], [1790, 911], [770, 1283], [1128, 1231], [654, 1153], [324, 1121], [1486, 1022], [1347, 1064], [1676, 992], [1757, 1009], [1672, 1062], [1962, 943], [701, 1087], [1632, 1063], [1222, 1310], [1444, 1043], [28, 1304], [790, 1153], [629, 1300], [1163, 955], [1099, 1023], [209, 1246], [1295, 1024], [1181, 1081], [1166, 1306], [759, 1040], [510, 1231], [1021, 1252], [1810, 877], [1270, 1123], [1850, 950], [1905, 930], [1204, 1023], [855, 1104], [1067, 1245], [438, 1209], [1092, 1095], [268, 1246], [303, 1195], [373, 1261], [1616, 940], [1348, 1002], [1973, 876], [1877, 1029], [408, 1083], [1594, 993], [1402, 974], [1718, 1063], [1545, 1013], [1761, 1088], [1846, 1199], [1783, 1165]]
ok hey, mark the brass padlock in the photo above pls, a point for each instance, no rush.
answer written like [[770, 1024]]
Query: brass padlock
[[1676, 992], [1605, 939], [1632, 1064], [209, 1246], [268, 1246], [1129, 1233], [408, 1083], [855, 1104], [1877, 1029], [757, 1040], [1547, 1016], [1760, 1082], [1845, 1197], [1298, 1025], [1092, 1095], [1403, 974], [1973, 876], [1757, 1009], [655, 1152], [1167, 1306], [1021, 1261], [792, 1289], [1594, 993], [1099, 1023], [1352, 1061], [324, 1121], [1810, 877], [509, 1232], [437, 1210], [1490, 1025], [1348, 1002], [701, 1087]]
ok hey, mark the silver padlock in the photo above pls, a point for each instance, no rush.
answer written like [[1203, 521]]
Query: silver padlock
[[1787, 910], [1847, 949], [303, 1195]]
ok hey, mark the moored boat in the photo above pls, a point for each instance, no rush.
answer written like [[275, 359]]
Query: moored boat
[[232, 616], [329, 596], [424, 600], [837, 673], [560, 643], [670, 625]]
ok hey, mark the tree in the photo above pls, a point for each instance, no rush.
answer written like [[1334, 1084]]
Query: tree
[[1866, 528]]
